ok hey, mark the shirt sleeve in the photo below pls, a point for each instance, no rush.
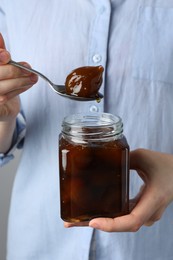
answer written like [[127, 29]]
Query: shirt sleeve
[[19, 133], [18, 140]]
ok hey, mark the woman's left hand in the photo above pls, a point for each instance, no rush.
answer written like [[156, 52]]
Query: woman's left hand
[[156, 170]]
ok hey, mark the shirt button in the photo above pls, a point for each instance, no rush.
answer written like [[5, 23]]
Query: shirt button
[[97, 58], [94, 109]]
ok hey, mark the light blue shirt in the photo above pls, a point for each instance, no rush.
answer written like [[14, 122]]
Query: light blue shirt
[[133, 40]]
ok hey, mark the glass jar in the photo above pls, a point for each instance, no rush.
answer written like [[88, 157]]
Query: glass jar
[[94, 167]]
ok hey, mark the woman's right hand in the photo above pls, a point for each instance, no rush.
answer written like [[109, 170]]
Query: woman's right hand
[[13, 81]]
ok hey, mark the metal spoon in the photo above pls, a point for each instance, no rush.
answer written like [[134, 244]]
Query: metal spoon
[[59, 89]]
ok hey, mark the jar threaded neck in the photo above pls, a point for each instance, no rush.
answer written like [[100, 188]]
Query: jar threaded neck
[[92, 126]]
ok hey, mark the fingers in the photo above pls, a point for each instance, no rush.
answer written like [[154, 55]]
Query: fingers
[[141, 215], [140, 157], [9, 71], [153, 198], [149, 223], [13, 87], [120, 224], [14, 81], [127, 223], [14, 84], [4, 56], [155, 217], [149, 208], [76, 224], [12, 94], [145, 160]]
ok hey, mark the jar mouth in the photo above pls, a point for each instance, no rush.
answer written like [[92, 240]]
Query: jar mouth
[[92, 119], [92, 125]]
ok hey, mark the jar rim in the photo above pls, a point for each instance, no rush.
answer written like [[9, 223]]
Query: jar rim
[[92, 126], [94, 119]]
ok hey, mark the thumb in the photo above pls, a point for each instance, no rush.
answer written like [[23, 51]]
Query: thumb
[[4, 54], [142, 159]]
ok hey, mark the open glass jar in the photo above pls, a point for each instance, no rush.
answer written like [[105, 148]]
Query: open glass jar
[[94, 167]]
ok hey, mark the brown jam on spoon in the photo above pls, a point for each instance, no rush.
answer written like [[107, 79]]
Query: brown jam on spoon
[[85, 82]]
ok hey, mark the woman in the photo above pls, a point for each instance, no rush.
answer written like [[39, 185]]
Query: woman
[[133, 41]]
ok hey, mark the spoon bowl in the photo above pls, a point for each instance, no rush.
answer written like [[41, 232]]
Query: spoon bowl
[[59, 89]]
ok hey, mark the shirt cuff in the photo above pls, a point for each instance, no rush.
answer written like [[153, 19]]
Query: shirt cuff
[[17, 142]]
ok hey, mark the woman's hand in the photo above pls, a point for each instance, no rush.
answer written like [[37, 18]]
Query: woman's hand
[[13, 81], [156, 170]]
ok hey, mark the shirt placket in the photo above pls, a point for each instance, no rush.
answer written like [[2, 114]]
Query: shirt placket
[[98, 44]]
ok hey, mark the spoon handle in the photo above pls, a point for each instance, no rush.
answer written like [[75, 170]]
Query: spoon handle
[[12, 62]]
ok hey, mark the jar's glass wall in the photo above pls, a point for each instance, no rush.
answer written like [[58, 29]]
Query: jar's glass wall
[[94, 175]]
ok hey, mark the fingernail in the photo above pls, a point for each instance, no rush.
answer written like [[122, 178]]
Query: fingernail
[[33, 78], [94, 225], [3, 55]]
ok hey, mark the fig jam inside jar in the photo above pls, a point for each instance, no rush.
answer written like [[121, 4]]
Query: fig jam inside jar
[[94, 167]]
